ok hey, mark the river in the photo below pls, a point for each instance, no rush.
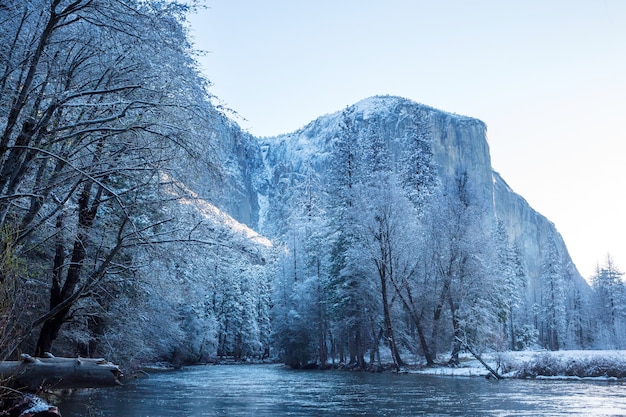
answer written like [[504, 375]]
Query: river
[[273, 390]]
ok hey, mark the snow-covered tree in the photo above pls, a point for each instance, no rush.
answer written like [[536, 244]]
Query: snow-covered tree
[[510, 283], [303, 304], [459, 264], [553, 307], [292, 336], [417, 171], [350, 286], [98, 97], [610, 295], [383, 215]]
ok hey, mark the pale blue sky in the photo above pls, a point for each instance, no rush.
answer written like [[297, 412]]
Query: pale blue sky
[[548, 78]]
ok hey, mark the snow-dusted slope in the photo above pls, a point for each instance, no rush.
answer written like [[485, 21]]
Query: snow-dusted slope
[[213, 226]]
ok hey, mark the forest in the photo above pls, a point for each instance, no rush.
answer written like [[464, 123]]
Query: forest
[[117, 239]]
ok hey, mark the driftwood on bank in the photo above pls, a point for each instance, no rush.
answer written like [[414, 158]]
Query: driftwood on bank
[[35, 374]]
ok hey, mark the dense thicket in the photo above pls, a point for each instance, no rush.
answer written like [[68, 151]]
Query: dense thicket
[[101, 109]]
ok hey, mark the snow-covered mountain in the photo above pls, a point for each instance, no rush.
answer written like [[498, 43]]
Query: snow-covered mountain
[[459, 143], [282, 188]]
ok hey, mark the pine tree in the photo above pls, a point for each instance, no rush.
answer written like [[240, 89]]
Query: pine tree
[[417, 171], [553, 305], [350, 285], [610, 293], [510, 282]]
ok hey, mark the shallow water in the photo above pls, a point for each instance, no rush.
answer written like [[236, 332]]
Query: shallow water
[[273, 390]]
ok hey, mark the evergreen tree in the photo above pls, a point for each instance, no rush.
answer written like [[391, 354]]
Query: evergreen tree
[[610, 294], [510, 282], [417, 171], [352, 293], [553, 305]]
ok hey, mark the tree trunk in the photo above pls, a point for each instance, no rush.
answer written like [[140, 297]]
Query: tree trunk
[[360, 350], [323, 350], [35, 374], [480, 359], [409, 305], [86, 216], [321, 318], [445, 290], [384, 265], [352, 348], [456, 326], [428, 355], [395, 353], [512, 330], [340, 346]]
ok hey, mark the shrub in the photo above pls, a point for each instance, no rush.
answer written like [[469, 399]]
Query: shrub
[[584, 367]]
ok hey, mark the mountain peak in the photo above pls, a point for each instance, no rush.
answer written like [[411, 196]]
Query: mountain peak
[[388, 103]]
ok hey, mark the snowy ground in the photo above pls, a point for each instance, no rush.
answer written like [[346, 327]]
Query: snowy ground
[[567, 364]]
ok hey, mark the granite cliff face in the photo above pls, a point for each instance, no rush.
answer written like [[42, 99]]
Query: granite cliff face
[[532, 232], [235, 163], [258, 168]]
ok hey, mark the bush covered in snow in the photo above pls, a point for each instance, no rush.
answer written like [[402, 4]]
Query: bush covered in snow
[[583, 366]]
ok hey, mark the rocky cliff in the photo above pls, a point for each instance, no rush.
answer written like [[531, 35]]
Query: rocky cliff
[[258, 167]]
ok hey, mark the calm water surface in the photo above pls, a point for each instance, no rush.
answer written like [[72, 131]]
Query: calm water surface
[[273, 390]]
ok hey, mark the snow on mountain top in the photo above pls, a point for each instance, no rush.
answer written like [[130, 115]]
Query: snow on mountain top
[[310, 143], [365, 109], [310, 140], [381, 104], [378, 104]]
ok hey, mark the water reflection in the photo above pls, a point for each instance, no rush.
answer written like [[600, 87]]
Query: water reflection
[[272, 390]]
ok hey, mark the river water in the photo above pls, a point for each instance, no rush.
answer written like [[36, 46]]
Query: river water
[[273, 390]]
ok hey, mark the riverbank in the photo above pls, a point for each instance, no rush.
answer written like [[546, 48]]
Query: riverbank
[[567, 364]]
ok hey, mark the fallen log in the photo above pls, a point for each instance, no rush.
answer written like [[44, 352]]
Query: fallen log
[[491, 371], [34, 374]]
